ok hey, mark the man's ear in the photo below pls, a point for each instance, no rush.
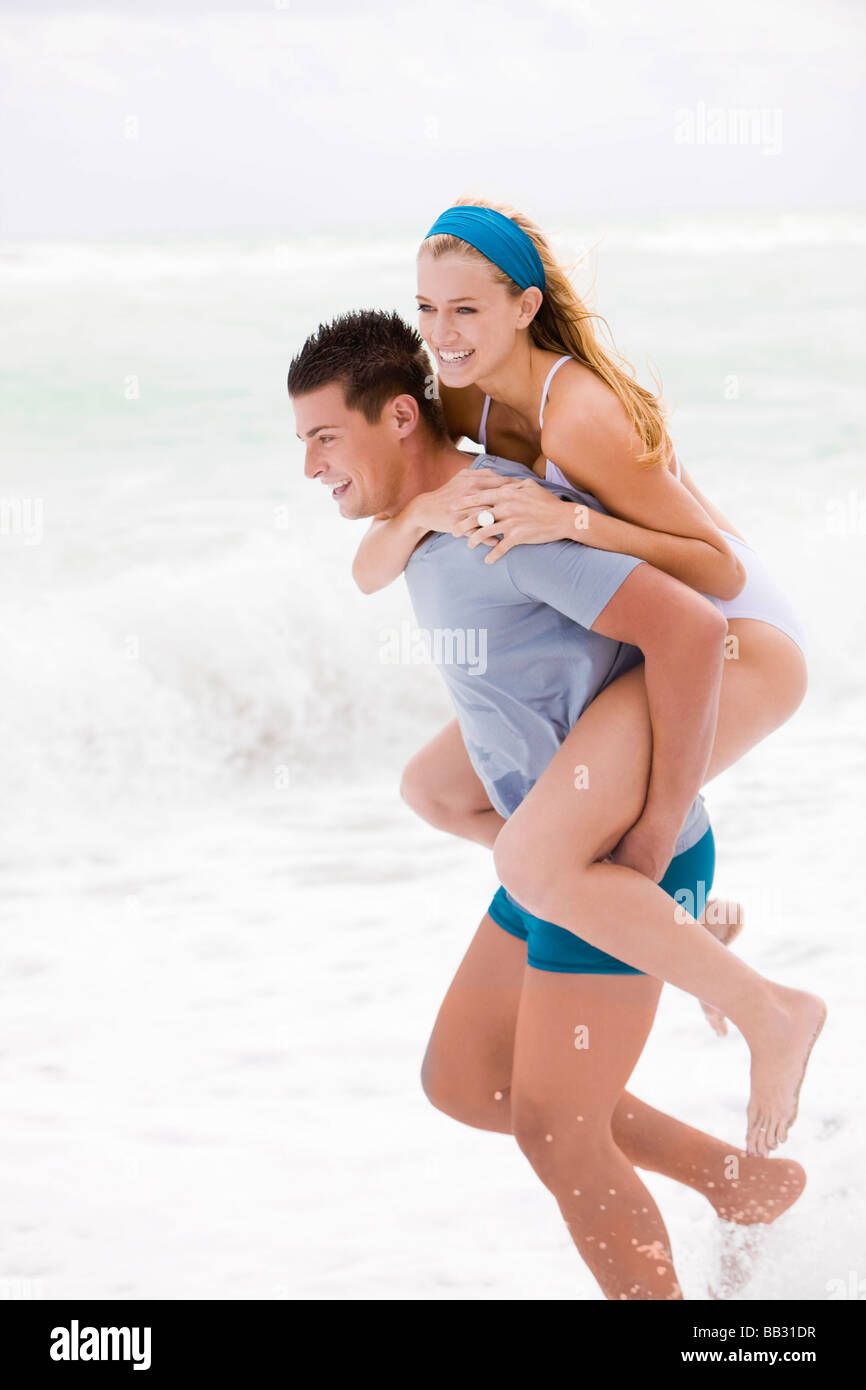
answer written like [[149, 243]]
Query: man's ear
[[404, 415]]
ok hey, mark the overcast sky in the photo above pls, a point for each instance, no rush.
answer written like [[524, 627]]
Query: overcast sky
[[309, 113]]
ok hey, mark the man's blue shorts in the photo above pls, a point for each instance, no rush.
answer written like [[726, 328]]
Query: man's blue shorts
[[688, 879]]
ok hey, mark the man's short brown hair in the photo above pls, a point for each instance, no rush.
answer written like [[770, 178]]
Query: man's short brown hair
[[375, 356]]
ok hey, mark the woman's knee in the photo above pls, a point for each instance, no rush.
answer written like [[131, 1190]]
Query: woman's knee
[[511, 848], [509, 860], [421, 795], [527, 866]]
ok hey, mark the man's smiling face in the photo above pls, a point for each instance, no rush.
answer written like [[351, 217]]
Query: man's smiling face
[[358, 461]]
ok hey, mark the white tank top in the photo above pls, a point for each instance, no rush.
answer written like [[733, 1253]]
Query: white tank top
[[551, 472], [761, 597]]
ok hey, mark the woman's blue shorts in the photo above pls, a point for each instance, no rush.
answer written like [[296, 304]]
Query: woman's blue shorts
[[688, 879]]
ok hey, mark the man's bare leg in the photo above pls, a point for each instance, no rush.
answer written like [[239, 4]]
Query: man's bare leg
[[562, 1103], [467, 1074]]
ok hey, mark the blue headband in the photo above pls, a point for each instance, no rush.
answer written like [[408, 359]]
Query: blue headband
[[497, 238]]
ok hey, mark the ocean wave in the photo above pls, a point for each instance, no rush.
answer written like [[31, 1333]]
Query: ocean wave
[[280, 254], [749, 234], [241, 665], [194, 260]]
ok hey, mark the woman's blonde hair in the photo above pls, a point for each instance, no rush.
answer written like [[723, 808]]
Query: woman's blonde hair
[[564, 324]]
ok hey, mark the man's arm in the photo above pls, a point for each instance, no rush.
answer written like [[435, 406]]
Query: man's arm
[[682, 636]]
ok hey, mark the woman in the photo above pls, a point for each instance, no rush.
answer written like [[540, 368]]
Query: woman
[[504, 340]]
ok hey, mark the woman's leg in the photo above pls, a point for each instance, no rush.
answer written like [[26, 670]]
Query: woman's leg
[[764, 683], [466, 1073], [624, 913], [443, 788], [724, 920]]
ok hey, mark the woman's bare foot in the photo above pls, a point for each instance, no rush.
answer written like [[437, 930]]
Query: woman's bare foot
[[723, 919], [780, 1044], [780, 1037]]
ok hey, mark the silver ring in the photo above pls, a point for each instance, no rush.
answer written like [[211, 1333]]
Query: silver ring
[[485, 517]]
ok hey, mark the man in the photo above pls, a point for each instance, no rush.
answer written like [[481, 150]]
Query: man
[[564, 624]]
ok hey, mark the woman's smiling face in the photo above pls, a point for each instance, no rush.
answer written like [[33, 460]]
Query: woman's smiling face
[[468, 320]]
